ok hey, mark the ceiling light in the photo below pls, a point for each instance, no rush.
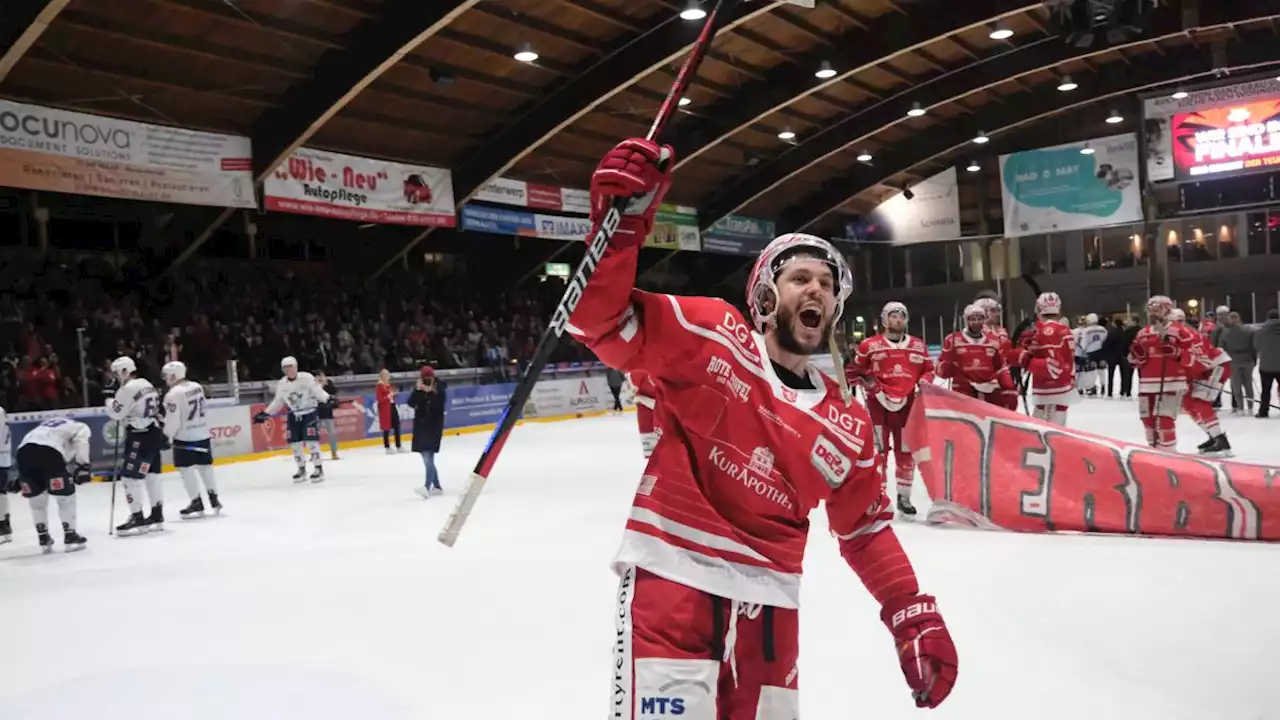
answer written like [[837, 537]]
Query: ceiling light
[[1086, 150], [526, 54], [982, 138], [786, 135], [1001, 33], [973, 166], [1180, 95], [916, 110], [1115, 117], [825, 71], [693, 12], [1067, 84], [864, 157], [684, 101]]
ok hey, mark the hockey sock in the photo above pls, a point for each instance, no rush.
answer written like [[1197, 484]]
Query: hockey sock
[[904, 473], [298, 457], [190, 482], [40, 509], [206, 475], [67, 510], [313, 447], [154, 493], [133, 494]]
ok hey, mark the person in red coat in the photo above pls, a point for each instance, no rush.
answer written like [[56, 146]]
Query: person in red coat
[[388, 415]]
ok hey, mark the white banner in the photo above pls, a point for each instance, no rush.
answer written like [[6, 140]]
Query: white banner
[[46, 149], [560, 227], [506, 191], [1058, 189], [553, 398], [932, 214], [231, 429], [329, 184]]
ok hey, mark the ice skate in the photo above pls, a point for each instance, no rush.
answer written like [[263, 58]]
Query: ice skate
[[423, 491], [905, 507], [436, 491], [6, 532], [301, 475], [1206, 446], [72, 541], [155, 522], [193, 511], [46, 540], [1219, 447], [391, 451], [137, 525], [317, 475], [215, 503]]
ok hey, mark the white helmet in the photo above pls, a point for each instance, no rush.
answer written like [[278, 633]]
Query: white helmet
[[1091, 319], [975, 310], [1223, 310], [991, 307], [761, 284], [1049, 304], [1160, 308], [1176, 315], [289, 362], [891, 308], [123, 367], [174, 372]]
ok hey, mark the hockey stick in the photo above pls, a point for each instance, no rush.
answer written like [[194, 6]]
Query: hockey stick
[[598, 243], [115, 480]]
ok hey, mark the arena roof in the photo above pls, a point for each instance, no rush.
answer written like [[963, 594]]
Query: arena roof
[[435, 82]]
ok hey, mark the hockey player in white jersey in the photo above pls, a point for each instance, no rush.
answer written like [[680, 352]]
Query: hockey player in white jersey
[[6, 463], [302, 395], [52, 460], [1089, 345], [137, 406], [187, 427]]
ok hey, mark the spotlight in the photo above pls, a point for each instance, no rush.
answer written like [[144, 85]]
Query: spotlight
[[916, 110], [1180, 95], [825, 71], [1115, 118], [526, 54], [1000, 33], [1086, 150], [1067, 84], [692, 12], [864, 157], [786, 135], [982, 138], [973, 166], [684, 101]]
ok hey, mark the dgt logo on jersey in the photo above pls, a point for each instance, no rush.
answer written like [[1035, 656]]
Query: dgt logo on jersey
[[830, 462], [661, 706]]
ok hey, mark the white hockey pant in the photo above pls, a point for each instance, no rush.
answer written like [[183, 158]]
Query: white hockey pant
[[66, 509], [1056, 414]]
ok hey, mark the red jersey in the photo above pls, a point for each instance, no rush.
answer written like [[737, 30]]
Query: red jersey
[[974, 363], [1007, 349], [894, 368], [1047, 351], [1164, 359], [1206, 327], [724, 502], [1205, 357]]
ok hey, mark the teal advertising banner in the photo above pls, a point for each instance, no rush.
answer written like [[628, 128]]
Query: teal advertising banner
[[739, 235], [1071, 187]]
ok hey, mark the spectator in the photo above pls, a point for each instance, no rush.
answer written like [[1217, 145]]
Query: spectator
[[1110, 353], [1126, 370], [1236, 339], [1266, 340], [428, 402], [388, 414], [325, 412], [615, 379]]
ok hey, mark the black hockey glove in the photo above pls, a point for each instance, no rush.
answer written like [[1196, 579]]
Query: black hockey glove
[[166, 443], [260, 418], [82, 474], [9, 482]]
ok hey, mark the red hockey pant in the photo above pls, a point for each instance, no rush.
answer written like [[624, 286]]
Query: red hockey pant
[[682, 652], [1159, 413], [888, 426]]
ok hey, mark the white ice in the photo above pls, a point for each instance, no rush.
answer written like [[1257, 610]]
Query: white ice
[[334, 601]]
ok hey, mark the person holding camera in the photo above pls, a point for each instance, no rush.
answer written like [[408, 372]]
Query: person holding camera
[[428, 402]]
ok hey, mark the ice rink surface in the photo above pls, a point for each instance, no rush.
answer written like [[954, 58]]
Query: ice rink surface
[[334, 602]]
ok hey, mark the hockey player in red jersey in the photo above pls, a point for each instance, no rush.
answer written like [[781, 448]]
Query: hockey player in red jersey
[[973, 360], [1162, 354], [1047, 352], [891, 367], [754, 437], [1210, 368], [646, 403], [1006, 398]]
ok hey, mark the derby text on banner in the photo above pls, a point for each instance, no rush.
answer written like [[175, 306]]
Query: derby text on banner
[[995, 469], [46, 149], [329, 184]]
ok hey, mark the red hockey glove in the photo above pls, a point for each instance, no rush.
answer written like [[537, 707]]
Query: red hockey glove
[[1005, 380], [639, 170], [925, 650]]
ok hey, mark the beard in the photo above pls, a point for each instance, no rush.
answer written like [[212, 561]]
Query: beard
[[787, 334]]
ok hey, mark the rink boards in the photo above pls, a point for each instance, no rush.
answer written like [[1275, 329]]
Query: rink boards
[[469, 408]]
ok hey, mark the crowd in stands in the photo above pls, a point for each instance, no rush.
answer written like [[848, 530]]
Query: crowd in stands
[[212, 311]]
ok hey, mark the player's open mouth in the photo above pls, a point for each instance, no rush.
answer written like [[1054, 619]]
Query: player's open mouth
[[810, 317]]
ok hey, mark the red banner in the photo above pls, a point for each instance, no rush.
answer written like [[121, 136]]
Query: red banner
[[1227, 140], [996, 469], [273, 434]]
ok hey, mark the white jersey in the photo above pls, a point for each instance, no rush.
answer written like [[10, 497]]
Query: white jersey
[[137, 404], [184, 412], [69, 437], [1092, 337], [301, 395], [6, 452]]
